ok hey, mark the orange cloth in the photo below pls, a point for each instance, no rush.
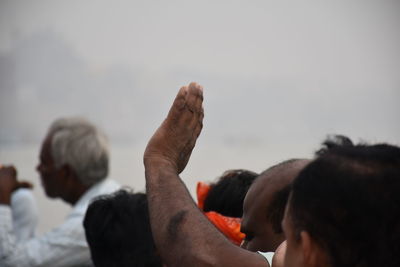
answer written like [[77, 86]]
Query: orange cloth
[[202, 192], [229, 226]]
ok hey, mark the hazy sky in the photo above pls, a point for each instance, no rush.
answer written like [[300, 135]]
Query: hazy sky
[[272, 70], [278, 77]]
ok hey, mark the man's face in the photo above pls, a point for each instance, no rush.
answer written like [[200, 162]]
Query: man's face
[[255, 224], [49, 174], [260, 234]]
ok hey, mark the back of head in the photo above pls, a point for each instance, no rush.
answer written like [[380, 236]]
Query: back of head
[[79, 144], [265, 203], [348, 200], [118, 231], [227, 195], [281, 177]]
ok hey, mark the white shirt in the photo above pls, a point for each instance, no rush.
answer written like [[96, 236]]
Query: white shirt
[[268, 256], [24, 214], [63, 246]]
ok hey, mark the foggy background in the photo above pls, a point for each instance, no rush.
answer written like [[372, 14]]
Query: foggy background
[[278, 77]]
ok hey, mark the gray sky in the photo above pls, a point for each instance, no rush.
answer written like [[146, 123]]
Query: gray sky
[[272, 71], [278, 75]]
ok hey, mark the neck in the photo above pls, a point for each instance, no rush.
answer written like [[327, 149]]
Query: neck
[[73, 196]]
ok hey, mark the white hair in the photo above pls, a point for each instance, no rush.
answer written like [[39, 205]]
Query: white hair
[[79, 144]]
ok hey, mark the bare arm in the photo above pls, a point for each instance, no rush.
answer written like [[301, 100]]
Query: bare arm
[[183, 235]]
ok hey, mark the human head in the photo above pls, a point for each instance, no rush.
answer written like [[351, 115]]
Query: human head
[[226, 196], [344, 209], [118, 232], [75, 147], [264, 206]]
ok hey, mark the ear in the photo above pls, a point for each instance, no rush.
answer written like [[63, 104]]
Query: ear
[[68, 175], [313, 255], [64, 171], [68, 172]]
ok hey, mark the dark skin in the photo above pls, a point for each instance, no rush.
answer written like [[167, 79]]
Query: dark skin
[[260, 235], [182, 233], [9, 183]]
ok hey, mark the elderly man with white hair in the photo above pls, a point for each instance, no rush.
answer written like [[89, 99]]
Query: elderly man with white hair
[[73, 166]]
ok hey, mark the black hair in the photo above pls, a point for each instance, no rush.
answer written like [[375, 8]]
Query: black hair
[[348, 200], [227, 195], [333, 141], [118, 231]]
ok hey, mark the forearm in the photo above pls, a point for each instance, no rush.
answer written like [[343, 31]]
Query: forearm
[[183, 235]]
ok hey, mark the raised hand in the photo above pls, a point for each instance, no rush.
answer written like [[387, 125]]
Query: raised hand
[[175, 139], [9, 183]]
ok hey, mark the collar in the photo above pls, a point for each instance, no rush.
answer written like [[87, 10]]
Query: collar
[[105, 186]]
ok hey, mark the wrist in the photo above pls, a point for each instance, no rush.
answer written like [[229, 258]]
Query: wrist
[[157, 163]]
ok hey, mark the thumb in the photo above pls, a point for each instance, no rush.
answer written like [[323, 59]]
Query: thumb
[[24, 184]]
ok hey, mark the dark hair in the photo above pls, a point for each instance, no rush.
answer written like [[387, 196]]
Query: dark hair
[[227, 195], [118, 231], [348, 200], [333, 141]]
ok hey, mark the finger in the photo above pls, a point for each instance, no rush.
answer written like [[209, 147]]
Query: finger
[[9, 170], [201, 114], [179, 102], [198, 126], [194, 102], [198, 129], [197, 119], [24, 184], [200, 98], [194, 98]]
